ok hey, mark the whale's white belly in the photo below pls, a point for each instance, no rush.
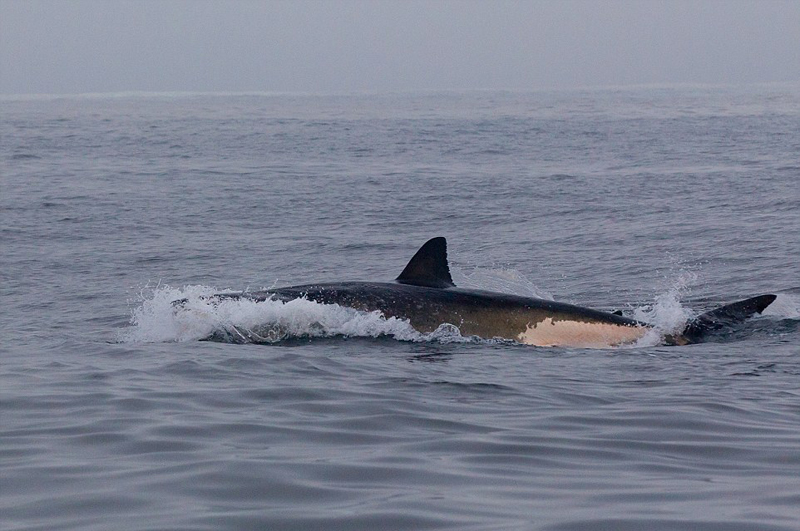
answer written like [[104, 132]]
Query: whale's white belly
[[564, 333]]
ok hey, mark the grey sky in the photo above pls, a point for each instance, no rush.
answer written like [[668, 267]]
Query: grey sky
[[342, 46]]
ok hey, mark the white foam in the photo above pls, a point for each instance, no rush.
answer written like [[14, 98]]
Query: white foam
[[156, 319]]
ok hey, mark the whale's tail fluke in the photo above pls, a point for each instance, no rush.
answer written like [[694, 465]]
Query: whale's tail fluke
[[724, 317]]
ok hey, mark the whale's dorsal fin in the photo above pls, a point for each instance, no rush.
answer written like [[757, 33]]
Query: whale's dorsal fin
[[429, 266]]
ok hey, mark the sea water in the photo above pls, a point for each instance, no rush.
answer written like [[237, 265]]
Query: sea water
[[659, 202]]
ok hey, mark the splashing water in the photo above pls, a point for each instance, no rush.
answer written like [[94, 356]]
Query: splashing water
[[202, 316], [666, 315]]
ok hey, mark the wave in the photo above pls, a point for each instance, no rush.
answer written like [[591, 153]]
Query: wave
[[156, 320]]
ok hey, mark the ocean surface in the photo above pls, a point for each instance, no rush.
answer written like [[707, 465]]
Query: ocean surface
[[660, 202]]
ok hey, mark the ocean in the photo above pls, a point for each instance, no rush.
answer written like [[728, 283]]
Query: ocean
[[661, 202]]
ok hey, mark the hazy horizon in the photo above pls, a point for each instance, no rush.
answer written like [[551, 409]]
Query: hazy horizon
[[87, 46]]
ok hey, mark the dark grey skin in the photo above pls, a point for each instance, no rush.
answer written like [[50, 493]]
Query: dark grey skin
[[425, 295]]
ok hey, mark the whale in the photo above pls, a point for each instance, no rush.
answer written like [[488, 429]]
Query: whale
[[425, 295]]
